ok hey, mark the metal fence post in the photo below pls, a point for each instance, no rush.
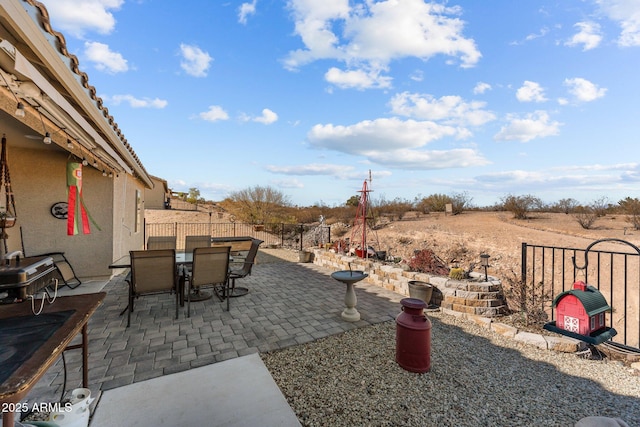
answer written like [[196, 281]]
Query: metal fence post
[[301, 236], [523, 263]]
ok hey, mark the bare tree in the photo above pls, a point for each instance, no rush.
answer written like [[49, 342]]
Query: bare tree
[[258, 205], [600, 206], [566, 205], [460, 201], [586, 216]]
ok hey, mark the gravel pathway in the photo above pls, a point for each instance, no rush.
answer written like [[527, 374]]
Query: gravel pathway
[[477, 378]]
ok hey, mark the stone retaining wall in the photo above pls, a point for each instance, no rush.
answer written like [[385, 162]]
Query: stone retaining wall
[[474, 296], [476, 300]]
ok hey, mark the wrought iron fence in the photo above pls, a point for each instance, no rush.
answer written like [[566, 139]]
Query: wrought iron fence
[[615, 273], [290, 236]]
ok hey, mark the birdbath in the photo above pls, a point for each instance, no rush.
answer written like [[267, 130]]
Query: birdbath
[[349, 277]]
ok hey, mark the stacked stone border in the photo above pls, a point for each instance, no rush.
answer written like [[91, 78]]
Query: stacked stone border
[[481, 302]]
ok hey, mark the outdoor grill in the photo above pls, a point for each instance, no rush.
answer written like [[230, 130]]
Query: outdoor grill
[[21, 277]]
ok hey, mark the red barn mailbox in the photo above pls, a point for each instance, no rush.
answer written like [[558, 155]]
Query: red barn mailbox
[[581, 314]]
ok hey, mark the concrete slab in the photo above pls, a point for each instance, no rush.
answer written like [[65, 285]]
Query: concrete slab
[[236, 392]]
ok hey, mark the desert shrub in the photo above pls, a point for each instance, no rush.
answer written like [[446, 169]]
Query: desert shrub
[[586, 216], [339, 230], [565, 206], [426, 261], [457, 273], [395, 209], [600, 206], [404, 240], [631, 207], [520, 206], [460, 201], [526, 299], [433, 203]]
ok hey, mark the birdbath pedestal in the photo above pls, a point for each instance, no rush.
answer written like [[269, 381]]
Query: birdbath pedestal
[[348, 277]]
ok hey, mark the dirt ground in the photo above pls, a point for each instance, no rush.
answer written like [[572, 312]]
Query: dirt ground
[[460, 239]]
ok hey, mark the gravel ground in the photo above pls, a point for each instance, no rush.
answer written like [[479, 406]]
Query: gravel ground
[[477, 378]]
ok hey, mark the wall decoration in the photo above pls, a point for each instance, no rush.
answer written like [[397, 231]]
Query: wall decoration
[[60, 210]]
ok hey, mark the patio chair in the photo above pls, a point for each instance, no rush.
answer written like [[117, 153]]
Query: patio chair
[[152, 272], [210, 267], [192, 242], [161, 242], [64, 269], [243, 270]]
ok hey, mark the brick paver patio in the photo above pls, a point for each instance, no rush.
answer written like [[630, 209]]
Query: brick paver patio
[[288, 304]]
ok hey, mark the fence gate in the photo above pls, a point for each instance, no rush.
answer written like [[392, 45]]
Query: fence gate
[[614, 269]]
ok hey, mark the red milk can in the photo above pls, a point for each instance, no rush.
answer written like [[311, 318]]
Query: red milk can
[[413, 336]]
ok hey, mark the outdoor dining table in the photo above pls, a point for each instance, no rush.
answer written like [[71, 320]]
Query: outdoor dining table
[[183, 260]]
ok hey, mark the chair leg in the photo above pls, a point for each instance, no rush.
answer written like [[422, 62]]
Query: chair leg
[[130, 307], [189, 299], [177, 299], [227, 292]]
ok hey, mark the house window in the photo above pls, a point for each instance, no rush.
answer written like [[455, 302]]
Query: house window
[[593, 322], [601, 319], [138, 213]]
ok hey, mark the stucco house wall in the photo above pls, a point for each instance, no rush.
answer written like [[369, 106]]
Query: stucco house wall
[[39, 73], [156, 196], [38, 180]]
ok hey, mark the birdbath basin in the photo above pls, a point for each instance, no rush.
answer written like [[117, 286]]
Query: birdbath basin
[[349, 277]]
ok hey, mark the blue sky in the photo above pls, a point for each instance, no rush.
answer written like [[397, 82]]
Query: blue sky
[[486, 98]]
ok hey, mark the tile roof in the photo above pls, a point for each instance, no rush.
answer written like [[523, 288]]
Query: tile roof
[[84, 78]]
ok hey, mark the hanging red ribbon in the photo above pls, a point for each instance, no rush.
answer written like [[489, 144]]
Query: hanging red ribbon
[[77, 214]]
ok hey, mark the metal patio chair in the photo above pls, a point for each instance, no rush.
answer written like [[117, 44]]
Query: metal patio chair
[[152, 272], [210, 267], [161, 242]]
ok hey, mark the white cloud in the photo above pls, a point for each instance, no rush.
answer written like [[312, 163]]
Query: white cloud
[[195, 61], [104, 58], [530, 92], [358, 79], [451, 110], [245, 10], [214, 114], [543, 32], [375, 33], [312, 169], [586, 179], [588, 36], [394, 143], [532, 126], [627, 14], [583, 90], [75, 17], [481, 87], [139, 103], [325, 169], [288, 183], [267, 117], [417, 76]]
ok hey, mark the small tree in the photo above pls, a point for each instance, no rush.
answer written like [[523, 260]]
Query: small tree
[[520, 206], [631, 207], [600, 206], [566, 206], [586, 216], [258, 205], [460, 201], [193, 196]]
